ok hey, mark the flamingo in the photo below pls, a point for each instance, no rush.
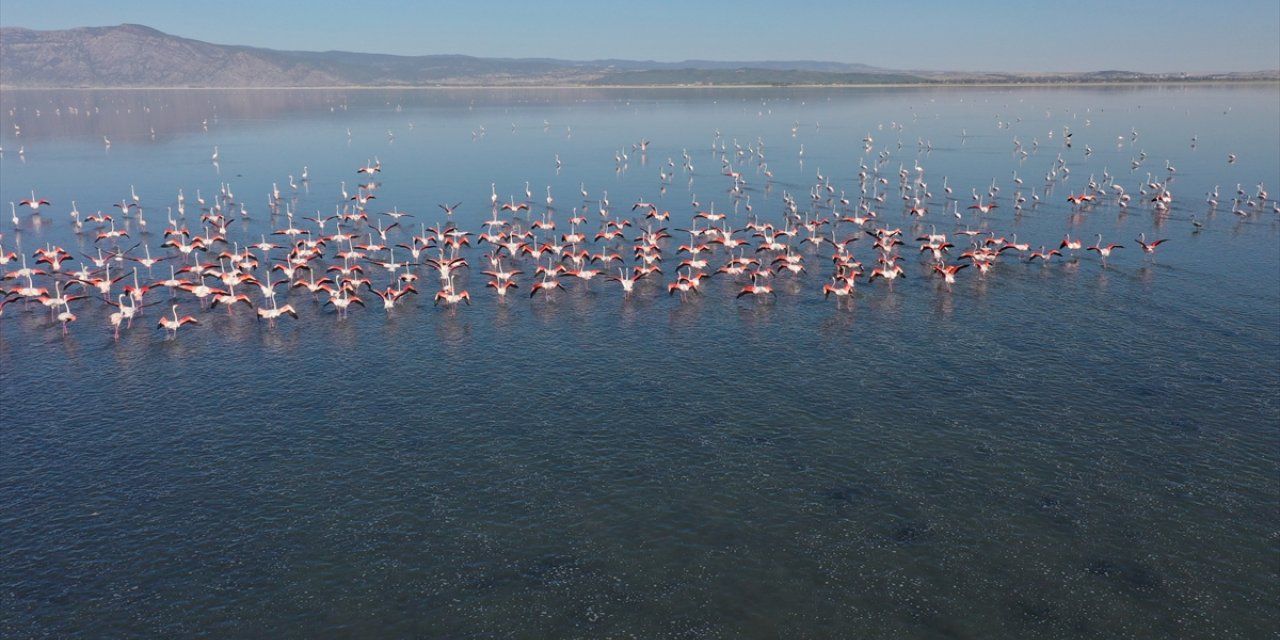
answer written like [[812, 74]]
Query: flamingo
[[948, 272], [66, 317], [446, 267], [341, 299], [888, 270], [275, 312], [314, 285], [548, 283], [147, 261], [390, 296], [628, 282], [514, 206], [501, 287], [136, 291], [501, 275], [841, 287], [31, 290], [1044, 255], [125, 314], [201, 290], [756, 289], [52, 256], [451, 296], [1104, 251], [173, 282], [24, 271], [685, 283], [172, 325], [57, 299], [33, 202], [1149, 247], [230, 298]]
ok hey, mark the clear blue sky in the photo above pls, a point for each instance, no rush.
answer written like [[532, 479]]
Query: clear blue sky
[[1035, 35]]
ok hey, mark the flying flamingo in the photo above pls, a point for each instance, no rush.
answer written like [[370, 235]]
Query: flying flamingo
[[33, 202], [756, 289], [889, 271], [172, 325], [451, 296], [841, 287], [275, 312], [501, 287], [125, 314], [948, 272], [1044, 255], [230, 298], [341, 299], [628, 282], [1149, 247], [390, 296], [548, 283], [1104, 251]]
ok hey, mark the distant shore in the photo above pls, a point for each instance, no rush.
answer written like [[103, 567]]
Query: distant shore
[[469, 87], [132, 57]]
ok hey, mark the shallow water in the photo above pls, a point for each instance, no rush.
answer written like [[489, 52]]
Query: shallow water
[[1046, 451]]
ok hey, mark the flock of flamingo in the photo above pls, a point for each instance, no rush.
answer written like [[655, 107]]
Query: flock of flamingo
[[358, 256]]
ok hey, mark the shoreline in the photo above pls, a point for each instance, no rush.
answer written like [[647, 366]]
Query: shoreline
[[563, 87]]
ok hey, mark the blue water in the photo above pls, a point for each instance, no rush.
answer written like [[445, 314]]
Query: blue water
[[1073, 449]]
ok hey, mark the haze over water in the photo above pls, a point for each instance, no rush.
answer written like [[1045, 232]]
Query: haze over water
[[1056, 450]]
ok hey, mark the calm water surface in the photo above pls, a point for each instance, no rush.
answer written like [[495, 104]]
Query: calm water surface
[[1066, 450]]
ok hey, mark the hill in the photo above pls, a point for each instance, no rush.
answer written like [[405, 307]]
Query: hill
[[138, 56]]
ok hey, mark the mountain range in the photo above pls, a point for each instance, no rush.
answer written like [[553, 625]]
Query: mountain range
[[138, 56]]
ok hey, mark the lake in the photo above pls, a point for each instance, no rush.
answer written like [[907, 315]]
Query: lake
[[1076, 447]]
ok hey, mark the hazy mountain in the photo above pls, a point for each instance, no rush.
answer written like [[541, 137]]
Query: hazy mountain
[[139, 56]]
